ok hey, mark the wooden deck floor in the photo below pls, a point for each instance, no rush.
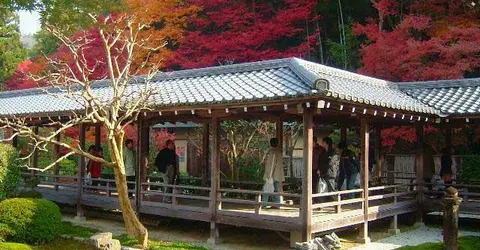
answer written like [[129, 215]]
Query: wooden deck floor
[[284, 219]]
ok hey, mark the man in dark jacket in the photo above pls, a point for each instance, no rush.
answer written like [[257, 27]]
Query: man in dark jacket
[[166, 163], [327, 164], [349, 167]]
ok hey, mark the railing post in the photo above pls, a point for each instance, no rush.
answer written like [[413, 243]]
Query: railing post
[[394, 224], [338, 208], [108, 189], [258, 207]]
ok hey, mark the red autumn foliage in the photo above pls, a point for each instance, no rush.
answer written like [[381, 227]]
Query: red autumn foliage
[[437, 39], [241, 31], [20, 79]]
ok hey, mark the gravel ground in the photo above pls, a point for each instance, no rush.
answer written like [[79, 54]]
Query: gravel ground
[[410, 238]]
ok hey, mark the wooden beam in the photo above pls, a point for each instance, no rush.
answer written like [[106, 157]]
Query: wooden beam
[[205, 153], [379, 157], [214, 204], [143, 135], [80, 172], [306, 202], [279, 136], [98, 135], [419, 171], [364, 176]]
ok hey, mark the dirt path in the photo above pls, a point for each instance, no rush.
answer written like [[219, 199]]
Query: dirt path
[[195, 232]]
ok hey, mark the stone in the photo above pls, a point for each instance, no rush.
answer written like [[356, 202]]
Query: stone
[[104, 241]]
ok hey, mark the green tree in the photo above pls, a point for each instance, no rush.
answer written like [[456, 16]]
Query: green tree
[[11, 49], [45, 44]]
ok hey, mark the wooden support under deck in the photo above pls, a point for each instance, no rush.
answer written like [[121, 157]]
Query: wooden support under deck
[[306, 201], [364, 176], [419, 171], [214, 204], [80, 172]]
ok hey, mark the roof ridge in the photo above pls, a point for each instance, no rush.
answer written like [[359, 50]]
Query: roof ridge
[[451, 83], [222, 69]]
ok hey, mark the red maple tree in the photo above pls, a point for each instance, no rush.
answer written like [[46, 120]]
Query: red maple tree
[[228, 32], [436, 39]]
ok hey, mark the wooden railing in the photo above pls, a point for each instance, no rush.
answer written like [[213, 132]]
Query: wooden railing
[[341, 198], [257, 203], [176, 192], [104, 186], [391, 194]]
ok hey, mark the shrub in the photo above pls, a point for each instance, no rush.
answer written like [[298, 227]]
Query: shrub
[[470, 170], [31, 220], [14, 246], [9, 171], [30, 194]]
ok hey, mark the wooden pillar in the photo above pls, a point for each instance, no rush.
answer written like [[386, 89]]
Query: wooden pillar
[[205, 153], [419, 172], [379, 157], [343, 133], [35, 152], [306, 202], [56, 155], [143, 135], [15, 142], [80, 173], [214, 204], [448, 139], [98, 135], [364, 176], [279, 136]]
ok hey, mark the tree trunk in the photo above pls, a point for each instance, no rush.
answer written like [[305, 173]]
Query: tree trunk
[[132, 224]]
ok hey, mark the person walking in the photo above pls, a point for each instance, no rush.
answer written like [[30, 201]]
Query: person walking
[[166, 163], [273, 174], [328, 164], [349, 167], [129, 160]]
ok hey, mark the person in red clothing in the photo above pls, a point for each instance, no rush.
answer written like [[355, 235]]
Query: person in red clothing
[[94, 168]]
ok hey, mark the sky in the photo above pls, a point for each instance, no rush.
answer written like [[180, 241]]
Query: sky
[[29, 22]]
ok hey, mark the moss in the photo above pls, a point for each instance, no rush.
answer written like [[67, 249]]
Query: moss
[[157, 245], [14, 246]]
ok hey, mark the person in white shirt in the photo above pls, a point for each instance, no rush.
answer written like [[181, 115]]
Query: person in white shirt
[[129, 159]]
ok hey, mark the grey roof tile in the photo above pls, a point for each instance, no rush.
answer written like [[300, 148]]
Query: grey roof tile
[[265, 80], [454, 97]]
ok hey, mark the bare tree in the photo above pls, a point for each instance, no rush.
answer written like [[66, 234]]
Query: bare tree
[[127, 96]]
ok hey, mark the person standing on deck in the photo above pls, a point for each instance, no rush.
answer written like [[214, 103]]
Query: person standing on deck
[[349, 167], [428, 165], [274, 169], [318, 151], [328, 164], [94, 168], [446, 167], [166, 163], [129, 159]]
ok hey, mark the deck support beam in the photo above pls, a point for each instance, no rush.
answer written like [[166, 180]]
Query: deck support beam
[[419, 173], [364, 176], [306, 201], [214, 204], [80, 173]]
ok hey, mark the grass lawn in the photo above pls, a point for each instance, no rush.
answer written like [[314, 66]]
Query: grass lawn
[[157, 245], [466, 243]]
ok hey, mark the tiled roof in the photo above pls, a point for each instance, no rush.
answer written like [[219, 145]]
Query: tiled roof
[[455, 97], [240, 83]]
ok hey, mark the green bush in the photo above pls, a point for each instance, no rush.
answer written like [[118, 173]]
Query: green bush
[[31, 220], [14, 246], [9, 171], [470, 171], [30, 194]]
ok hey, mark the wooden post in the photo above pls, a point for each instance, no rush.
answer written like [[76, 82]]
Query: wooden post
[[56, 155], [448, 139], [394, 224], [98, 135], [343, 134], [215, 182], [206, 153], [364, 137], [143, 134], [80, 173], [279, 136], [379, 157], [306, 202], [35, 153], [419, 174]]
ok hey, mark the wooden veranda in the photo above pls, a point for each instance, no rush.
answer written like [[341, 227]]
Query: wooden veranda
[[302, 91]]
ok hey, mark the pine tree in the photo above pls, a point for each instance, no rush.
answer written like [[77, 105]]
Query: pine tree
[[11, 49]]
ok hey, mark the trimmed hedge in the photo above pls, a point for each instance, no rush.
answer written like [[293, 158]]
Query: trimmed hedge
[[9, 171], [31, 220], [14, 246]]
